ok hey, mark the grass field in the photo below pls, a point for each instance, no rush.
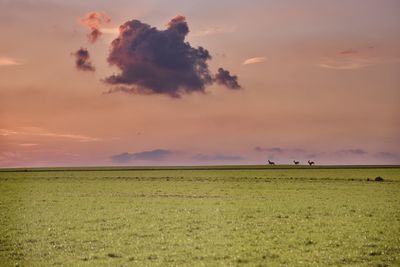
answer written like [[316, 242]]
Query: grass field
[[231, 216]]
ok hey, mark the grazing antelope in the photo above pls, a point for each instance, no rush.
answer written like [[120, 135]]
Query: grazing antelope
[[311, 162], [271, 162], [296, 162]]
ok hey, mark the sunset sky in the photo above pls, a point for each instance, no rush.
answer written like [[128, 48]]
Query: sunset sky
[[316, 80]]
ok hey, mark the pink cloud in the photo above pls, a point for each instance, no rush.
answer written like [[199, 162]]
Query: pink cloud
[[94, 20]]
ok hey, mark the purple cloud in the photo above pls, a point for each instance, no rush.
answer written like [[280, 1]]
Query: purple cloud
[[152, 155], [358, 152], [223, 77], [153, 61], [82, 60]]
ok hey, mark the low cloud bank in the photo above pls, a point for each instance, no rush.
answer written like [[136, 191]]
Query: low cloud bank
[[217, 157], [152, 155]]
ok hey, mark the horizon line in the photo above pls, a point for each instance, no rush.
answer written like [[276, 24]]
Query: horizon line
[[197, 167]]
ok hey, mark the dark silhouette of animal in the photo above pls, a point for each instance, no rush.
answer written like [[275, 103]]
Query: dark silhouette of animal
[[311, 162], [296, 162], [271, 162]]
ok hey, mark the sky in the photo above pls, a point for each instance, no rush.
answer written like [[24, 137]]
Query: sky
[[199, 82]]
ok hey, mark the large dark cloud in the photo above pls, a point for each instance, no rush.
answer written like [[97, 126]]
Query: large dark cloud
[[82, 60], [153, 61], [152, 155], [94, 20]]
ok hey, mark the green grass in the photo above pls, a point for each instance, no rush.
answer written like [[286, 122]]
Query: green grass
[[204, 217]]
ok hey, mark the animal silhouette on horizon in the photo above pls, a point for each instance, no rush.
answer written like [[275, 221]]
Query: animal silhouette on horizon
[[271, 162], [311, 162], [296, 162]]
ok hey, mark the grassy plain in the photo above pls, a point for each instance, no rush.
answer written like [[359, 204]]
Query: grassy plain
[[232, 216]]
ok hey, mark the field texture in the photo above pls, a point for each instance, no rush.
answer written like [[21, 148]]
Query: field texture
[[216, 217]]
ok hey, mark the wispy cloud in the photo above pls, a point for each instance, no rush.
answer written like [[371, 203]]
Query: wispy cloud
[[36, 131], [7, 61], [114, 30], [78, 137], [353, 59], [217, 157], [387, 155], [28, 144], [347, 63], [7, 132], [269, 149], [349, 52], [254, 60], [214, 30]]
